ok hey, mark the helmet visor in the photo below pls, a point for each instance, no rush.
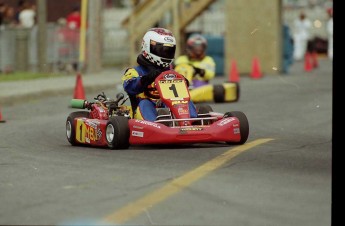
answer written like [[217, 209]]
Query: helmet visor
[[162, 49]]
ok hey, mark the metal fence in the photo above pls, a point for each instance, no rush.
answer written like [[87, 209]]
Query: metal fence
[[18, 48]]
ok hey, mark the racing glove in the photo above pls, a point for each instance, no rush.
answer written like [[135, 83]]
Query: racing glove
[[199, 71], [149, 78]]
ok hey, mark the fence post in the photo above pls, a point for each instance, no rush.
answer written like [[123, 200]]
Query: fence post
[[22, 53]]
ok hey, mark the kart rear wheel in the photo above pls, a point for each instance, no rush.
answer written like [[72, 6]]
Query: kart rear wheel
[[244, 125], [70, 125], [117, 132]]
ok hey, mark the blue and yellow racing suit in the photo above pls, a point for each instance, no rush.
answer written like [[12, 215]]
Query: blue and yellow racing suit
[[207, 66], [143, 99]]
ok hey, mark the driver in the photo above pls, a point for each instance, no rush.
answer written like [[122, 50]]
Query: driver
[[204, 66], [157, 53]]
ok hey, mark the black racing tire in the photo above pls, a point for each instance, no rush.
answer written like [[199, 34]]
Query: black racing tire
[[70, 125], [237, 91], [117, 133], [203, 108], [219, 93], [244, 125]]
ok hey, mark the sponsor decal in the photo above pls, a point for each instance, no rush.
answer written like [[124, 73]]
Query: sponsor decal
[[99, 134], [179, 102], [137, 134], [148, 123], [225, 121], [169, 76], [169, 81], [93, 124], [191, 129], [168, 39], [87, 132], [236, 130], [182, 111], [137, 127]]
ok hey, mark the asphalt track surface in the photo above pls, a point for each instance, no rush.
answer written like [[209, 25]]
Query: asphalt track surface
[[281, 176]]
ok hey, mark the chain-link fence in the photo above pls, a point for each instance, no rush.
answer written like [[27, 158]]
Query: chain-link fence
[[18, 48]]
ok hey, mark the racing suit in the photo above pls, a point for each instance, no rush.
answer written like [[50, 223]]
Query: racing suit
[[204, 69], [138, 83]]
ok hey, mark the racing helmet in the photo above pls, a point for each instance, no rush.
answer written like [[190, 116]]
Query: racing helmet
[[196, 47], [158, 47]]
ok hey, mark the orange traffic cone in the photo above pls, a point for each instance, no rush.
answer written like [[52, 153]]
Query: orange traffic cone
[[1, 120], [79, 92], [256, 71], [233, 75], [307, 62], [315, 63]]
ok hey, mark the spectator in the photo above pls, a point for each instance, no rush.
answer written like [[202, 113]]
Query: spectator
[[6, 14], [2, 12], [27, 17], [301, 36], [73, 19], [288, 49], [330, 34], [20, 7]]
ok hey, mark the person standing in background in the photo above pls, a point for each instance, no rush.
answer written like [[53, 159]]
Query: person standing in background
[[73, 22], [27, 17], [288, 49], [302, 28], [6, 15], [2, 12], [330, 34], [73, 19]]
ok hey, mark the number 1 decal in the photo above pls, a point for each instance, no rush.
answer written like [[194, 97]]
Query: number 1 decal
[[173, 88]]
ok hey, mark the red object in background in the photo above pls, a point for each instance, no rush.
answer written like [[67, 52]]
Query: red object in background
[[314, 60], [79, 92], [233, 75], [1, 120], [307, 62], [256, 71], [73, 20]]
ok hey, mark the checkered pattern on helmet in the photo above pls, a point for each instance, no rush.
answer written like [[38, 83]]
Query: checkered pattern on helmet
[[158, 63]]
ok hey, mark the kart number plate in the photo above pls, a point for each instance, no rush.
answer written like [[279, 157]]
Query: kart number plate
[[172, 89]]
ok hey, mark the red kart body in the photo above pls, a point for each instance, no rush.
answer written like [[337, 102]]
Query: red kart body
[[144, 132], [110, 125]]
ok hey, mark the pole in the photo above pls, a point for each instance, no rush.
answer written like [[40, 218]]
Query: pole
[[82, 38], [94, 36], [42, 36]]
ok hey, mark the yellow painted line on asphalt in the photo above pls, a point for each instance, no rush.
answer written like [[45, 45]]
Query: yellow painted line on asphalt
[[141, 205]]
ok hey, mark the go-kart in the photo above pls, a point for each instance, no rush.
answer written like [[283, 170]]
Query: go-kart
[[201, 91], [110, 123]]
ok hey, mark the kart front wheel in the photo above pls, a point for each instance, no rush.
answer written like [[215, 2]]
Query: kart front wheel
[[244, 125], [70, 125], [117, 133]]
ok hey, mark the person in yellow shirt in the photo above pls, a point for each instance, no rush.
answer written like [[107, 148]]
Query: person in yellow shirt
[[196, 66]]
